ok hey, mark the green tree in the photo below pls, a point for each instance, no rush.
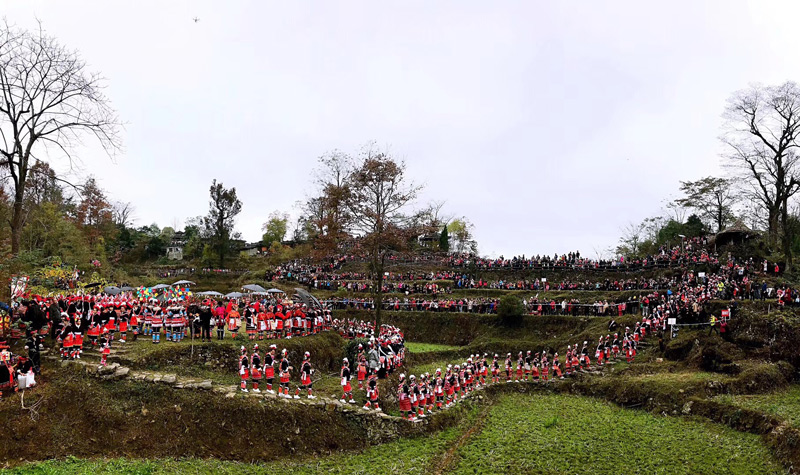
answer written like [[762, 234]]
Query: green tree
[[155, 247], [275, 228], [220, 221], [50, 233], [166, 234], [511, 311], [694, 226], [461, 230], [444, 239], [193, 234]]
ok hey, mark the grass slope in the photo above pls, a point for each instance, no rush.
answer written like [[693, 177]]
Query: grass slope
[[405, 456], [570, 434], [783, 404], [522, 434], [415, 347]]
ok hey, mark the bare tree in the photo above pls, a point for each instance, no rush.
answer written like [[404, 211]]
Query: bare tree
[[327, 213], [761, 132], [652, 226], [631, 240], [432, 216], [713, 198], [123, 214], [378, 197], [48, 102], [676, 212]]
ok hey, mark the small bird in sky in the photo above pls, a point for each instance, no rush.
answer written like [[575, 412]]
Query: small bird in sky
[[196, 19]]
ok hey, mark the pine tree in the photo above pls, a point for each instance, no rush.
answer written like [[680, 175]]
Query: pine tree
[[444, 240]]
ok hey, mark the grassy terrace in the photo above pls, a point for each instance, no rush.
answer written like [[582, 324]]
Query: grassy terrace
[[784, 404], [412, 455], [531, 433], [415, 347], [568, 434]]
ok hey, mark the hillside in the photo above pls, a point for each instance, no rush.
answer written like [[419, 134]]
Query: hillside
[[739, 388]]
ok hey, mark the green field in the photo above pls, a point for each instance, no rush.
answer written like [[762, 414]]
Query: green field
[[783, 404], [571, 434], [415, 347]]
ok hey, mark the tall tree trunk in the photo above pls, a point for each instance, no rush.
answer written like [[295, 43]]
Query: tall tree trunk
[[17, 222], [786, 237], [772, 226]]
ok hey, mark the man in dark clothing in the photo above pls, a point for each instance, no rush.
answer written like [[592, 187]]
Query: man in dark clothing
[[54, 314], [35, 316], [205, 321], [33, 354]]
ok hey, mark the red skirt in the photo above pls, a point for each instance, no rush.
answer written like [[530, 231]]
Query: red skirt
[[405, 405], [255, 374], [269, 372], [284, 377], [346, 387], [245, 375], [305, 380]]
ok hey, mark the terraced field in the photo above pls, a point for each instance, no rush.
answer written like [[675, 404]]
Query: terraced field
[[521, 433], [703, 404], [570, 434], [784, 404]]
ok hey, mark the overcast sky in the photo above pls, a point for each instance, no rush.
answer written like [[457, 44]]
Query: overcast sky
[[550, 125]]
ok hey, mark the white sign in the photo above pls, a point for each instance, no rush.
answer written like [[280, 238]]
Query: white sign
[[672, 321], [702, 275], [544, 280]]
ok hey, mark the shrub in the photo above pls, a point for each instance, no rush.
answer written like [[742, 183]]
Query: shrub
[[511, 311], [351, 350]]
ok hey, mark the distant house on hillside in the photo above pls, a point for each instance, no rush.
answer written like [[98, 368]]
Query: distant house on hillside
[[252, 249], [175, 247], [429, 240]]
